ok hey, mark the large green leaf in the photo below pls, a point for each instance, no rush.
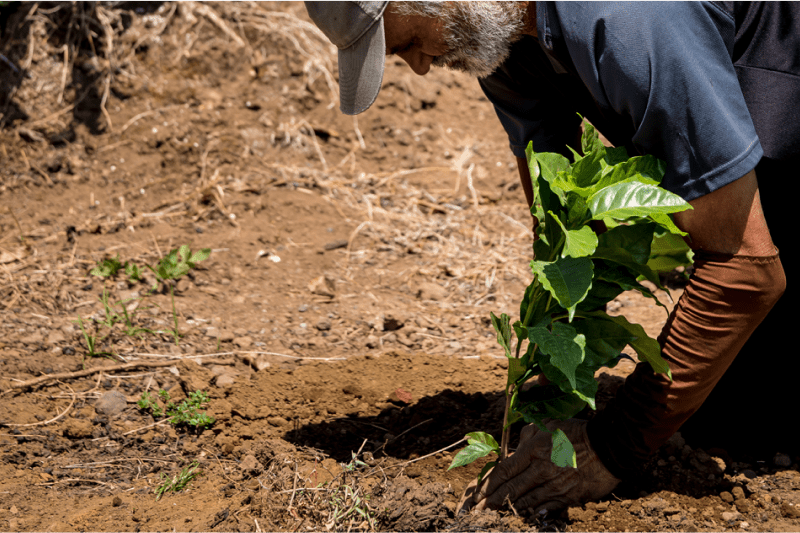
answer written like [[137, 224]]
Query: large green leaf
[[564, 346], [585, 386], [636, 240], [647, 349], [629, 199], [549, 402], [577, 243], [563, 454], [668, 252], [600, 294], [605, 339], [568, 279], [546, 164], [624, 258], [621, 277]]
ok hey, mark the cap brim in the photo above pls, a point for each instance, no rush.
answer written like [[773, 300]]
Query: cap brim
[[361, 71]]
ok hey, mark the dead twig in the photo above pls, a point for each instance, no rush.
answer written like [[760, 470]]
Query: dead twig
[[83, 373]]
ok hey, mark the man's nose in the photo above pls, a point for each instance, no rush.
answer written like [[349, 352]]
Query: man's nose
[[419, 62]]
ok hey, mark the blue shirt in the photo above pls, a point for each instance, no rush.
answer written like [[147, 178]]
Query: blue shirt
[[654, 77]]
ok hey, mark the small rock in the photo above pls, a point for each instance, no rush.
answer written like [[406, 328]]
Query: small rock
[[790, 511], [277, 421], [738, 493], [602, 507], [669, 511], [323, 325], [729, 516], [111, 403], [117, 501], [225, 336], [726, 496], [353, 389], [431, 291], [251, 466], [744, 506], [243, 342], [782, 460], [212, 332], [744, 525], [749, 474], [400, 396], [225, 381]]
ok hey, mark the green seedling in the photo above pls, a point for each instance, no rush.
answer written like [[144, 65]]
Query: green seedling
[[108, 267], [564, 332], [177, 482], [184, 414], [91, 342], [177, 263], [148, 403]]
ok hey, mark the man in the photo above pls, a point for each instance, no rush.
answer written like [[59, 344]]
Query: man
[[706, 88]]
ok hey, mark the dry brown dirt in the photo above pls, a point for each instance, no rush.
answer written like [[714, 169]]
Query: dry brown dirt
[[340, 326]]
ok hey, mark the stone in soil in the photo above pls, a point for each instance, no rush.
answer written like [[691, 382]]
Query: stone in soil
[[111, 403]]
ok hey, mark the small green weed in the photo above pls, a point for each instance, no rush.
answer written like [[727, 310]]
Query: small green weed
[[175, 264], [108, 267], [185, 413], [177, 482]]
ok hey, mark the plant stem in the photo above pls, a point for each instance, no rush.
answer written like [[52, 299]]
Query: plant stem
[[504, 438], [175, 317]]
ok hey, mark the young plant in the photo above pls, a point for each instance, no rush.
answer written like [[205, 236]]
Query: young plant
[[108, 267], [91, 341], [177, 263], [186, 413], [564, 332], [177, 482]]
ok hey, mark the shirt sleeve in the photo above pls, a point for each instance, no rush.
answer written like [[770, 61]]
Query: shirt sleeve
[[664, 69]]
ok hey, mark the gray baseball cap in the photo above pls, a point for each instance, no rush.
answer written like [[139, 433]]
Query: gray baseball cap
[[356, 28]]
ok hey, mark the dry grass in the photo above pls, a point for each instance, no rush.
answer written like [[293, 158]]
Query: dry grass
[[472, 247]]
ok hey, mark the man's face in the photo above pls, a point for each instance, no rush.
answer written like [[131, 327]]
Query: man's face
[[474, 37]]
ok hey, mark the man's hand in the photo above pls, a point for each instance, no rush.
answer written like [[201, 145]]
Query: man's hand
[[530, 481]]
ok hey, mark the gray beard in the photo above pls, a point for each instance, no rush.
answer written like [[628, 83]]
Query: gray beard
[[479, 34]]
